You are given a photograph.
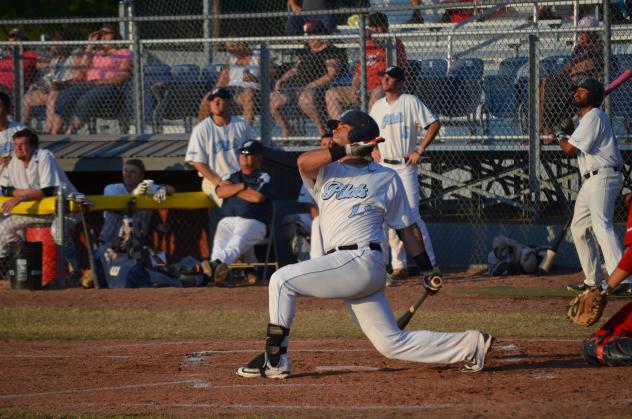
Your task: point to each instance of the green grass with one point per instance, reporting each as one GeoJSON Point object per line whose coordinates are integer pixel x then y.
{"type": "Point", "coordinates": [26, 323]}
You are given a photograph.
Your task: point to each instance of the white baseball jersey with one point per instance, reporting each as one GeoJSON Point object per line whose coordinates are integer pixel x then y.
{"type": "Point", "coordinates": [596, 141]}
{"type": "Point", "coordinates": [357, 201]}
{"type": "Point", "coordinates": [43, 171]}
{"type": "Point", "coordinates": [400, 124]}
{"type": "Point", "coordinates": [6, 139]}
{"type": "Point", "coordinates": [218, 146]}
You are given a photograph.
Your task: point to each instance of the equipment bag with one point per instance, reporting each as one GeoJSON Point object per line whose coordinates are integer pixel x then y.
{"type": "Point", "coordinates": [125, 272]}
{"type": "Point", "coordinates": [612, 344]}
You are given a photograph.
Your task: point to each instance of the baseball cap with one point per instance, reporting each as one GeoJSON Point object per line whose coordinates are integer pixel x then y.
{"type": "Point", "coordinates": [251, 147]}
{"type": "Point", "coordinates": [364, 127]}
{"type": "Point", "coordinates": [377, 19]}
{"type": "Point", "coordinates": [590, 84]}
{"type": "Point", "coordinates": [588, 22]}
{"type": "Point", "coordinates": [315, 27]}
{"type": "Point", "coordinates": [395, 72]}
{"type": "Point", "coordinates": [220, 92]}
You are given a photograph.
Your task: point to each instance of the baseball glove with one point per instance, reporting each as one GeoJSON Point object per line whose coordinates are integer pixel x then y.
{"type": "Point", "coordinates": [587, 307]}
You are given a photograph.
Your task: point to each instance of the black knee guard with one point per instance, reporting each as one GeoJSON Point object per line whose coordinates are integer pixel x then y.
{"type": "Point", "coordinates": [276, 342]}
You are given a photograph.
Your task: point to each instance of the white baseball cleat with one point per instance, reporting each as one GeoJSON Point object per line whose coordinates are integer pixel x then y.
{"type": "Point", "coordinates": [261, 367]}
{"type": "Point", "coordinates": [476, 364]}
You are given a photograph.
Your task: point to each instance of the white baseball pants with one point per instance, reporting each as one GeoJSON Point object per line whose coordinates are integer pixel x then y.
{"type": "Point", "coordinates": [359, 277]}
{"type": "Point", "coordinates": [593, 224]}
{"type": "Point", "coordinates": [236, 236]}
{"type": "Point", "coordinates": [408, 175]}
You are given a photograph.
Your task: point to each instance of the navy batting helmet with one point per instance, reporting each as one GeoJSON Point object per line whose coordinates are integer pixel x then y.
{"type": "Point", "coordinates": [364, 127]}
{"type": "Point", "coordinates": [595, 87]}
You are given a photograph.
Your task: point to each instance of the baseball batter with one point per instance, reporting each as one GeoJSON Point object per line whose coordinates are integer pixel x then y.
{"type": "Point", "coordinates": [401, 117]}
{"type": "Point", "coordinates": [355, 199]}
{"type": "Point", "coordinates": [600, 166]}
{"type": "Point", "coordinates": [214, 143]}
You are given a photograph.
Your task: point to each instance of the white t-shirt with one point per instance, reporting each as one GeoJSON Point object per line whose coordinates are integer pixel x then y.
{"type": "Point", "coordinates": [355, 202]}
{"type": "Point", "coordinates": [236, 72]}
{"type": "Point", "coordinates": [43, 171]}
{"type": "Point", "coordinates": [217, 146]}
{"type": "Point", "coordinates": [6, 139]}
{"type": "Point", "coordinates": [401, 123]}
{"type": "Point", "coordinates": [596, 141]}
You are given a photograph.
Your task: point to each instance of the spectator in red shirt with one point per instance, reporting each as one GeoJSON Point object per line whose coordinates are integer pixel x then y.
{"type": "Point", "coordinates": [341, 98]}
{"type": "Point", "coordinates": [29, 63]}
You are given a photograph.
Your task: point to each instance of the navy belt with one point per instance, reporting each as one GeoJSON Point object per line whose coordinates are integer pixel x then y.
{"type": "Point", "coordinates": [590, 174]}
{"type": "Point", "coordinates": [398, 161]}
{"type": "Point", "coordinates": [372, 246]}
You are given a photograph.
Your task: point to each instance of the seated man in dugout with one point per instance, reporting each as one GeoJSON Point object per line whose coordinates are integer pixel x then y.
{"type": "Point", "coordinates": [247, 211]}
{"type": "Point", "coordinates": [341, 98]}
{"type": "Point", "coordinates": [32, 175]}
{"type": "Point", "coordinates": [134, 183]}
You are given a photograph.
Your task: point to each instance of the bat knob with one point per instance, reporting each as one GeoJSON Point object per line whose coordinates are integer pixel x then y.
{"type": "Point", "coordinates": [434, 281]}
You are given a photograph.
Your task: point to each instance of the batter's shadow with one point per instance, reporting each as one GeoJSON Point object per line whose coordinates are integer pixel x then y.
{"type": "Point", "coordinates": [338, 373]}
{"type": "Point", "coordinates": [572, 362]}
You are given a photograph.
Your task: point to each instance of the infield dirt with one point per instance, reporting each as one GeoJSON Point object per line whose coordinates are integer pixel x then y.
{"type": "Point", "coordinates": [332, 377]}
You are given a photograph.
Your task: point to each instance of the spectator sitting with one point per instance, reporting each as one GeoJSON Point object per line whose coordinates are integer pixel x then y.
{"type": "Point", "coordinates": [247, 212]}
{"type": "Point", "coordinates": [29, 63]}
{"type": "Point", "coordinates": [62, 72]}
{"type": "Point", "coordinates": [319, 65]}
{"type": "Point", "coordinates": [32, 175]}
{"type": "Point", "coordinates": [302, 230]}
{"type": "Point", "coordinates": [133, 184]}
{"type": "Point", "coordinates": [458, 15]}
{"type": "Point", "coordinates": [587, 60]}
{"type": "Point", "coordinates": [240, 76]}
{"type": "Point", "coordinates": [294, 25]}
{"type": "Point", "coordinates": [341, 98]}
{"type": "Point", "coordinates": [7, 129]}
{"type": "Point", "coordinates": [400, 17]}
{"type": "Point", "coordinates": [108, 68]}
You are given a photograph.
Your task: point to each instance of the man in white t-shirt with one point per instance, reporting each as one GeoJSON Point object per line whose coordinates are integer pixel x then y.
{"type": "Point", "coordinates": [7, 129]}
{"type": "Point", "coordinates": [133, 184]}
{"type": "Point", "coordinates": [215, 141]}
{"type": "Point", "coordinates": [356, 198]}
{"type": "Point", "coordinates": [600, 166]}
{"type": "Point", "coordinates": [32, 175]}
{"type": "Point", "coordinates": [401, 118]}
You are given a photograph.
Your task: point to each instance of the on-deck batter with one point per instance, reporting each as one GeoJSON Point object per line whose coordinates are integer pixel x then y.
{"type": "Point", "coordinates": [600, 166]}
{"type": "Point", "coordinates": [355, 199]}
{"type": "Point", "coordinates": [401, 117]}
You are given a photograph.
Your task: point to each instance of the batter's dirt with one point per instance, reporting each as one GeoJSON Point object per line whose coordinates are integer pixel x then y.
{"type": "Point", "coordinates": [339, 377]}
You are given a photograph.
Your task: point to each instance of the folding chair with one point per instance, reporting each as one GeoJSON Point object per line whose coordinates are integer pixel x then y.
{"type": "Point", "coordinates": [269, 242]}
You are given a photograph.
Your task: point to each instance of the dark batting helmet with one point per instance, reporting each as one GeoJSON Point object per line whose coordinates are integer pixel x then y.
{"type": "Point", "coordinates": [364, 127]}
{"type": "Point", "coordinates": [595, 87]}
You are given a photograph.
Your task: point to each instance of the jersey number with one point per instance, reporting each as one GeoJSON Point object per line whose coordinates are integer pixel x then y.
{"type": "Point", "coordinates": [355, 210]}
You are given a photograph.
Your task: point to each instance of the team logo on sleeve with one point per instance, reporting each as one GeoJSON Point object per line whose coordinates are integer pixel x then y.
{"type": "Point", "coordinates": [344, 191]}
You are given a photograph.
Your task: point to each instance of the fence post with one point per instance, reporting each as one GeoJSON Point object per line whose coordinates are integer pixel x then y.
{"type": "Point", "coordinates": [18, 81]}
{"type": "Point", "coordinates": [124, 12]}
{"type": "Point", "coordinates": [266, 126]}
{"type": "Point", "coordinates": [364, 102]}
{"type": "Point", "coordinates": [206, 30]}
{"type": "Point", "coordinates": [534, 122]}
{"type": "Point", "coordinates": [391, 59]}
{"type": "Point", "coordinates": [607, 50]}
{"type": "Point", "coordinates": [61, 239]}
{"type": "Point", "coordinates": [137, 76]}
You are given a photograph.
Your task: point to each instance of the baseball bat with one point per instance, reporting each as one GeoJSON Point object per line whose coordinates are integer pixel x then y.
{"type": "Point", "coordinates": [551, 252]}
{"type": "Point", "coordinates": [92, 247]}
{"type": "Point", "coordinates": [433, 284]}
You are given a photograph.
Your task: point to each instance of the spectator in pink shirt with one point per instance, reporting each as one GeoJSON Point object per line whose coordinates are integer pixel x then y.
{"type": "Point", "coordinates": [108, 68]}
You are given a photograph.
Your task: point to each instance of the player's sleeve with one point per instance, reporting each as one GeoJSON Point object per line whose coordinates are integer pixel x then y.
{"type": "Point", "coordinates": [314, 186]}
{"type": "Point", "coordinates": [264, 184]}
{"type": "Point", "coordinates": [398, 213]}
{"type": "Point", "coordinates": [197, 150]}
{"type": "Point", "coordinates": [48, 170]}
{"type": "Point", "coordinates": [110, 189]}
{"type": "Point", "coordinates": [232, 177]}
{"type": "Point", "coordinates": [586, 132]}
{"type": "Point", "coordinates": [249, 134]}
{"type": "Point", "coordinates": [423, 116]}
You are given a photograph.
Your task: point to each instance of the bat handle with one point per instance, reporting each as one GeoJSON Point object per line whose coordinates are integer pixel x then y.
{"type": "Point", "coordinates": [433, 282]}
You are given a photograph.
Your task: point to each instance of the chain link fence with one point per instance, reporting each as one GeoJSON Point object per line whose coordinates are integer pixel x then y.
{"type": "Point", "coordinates": [498, 77]}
